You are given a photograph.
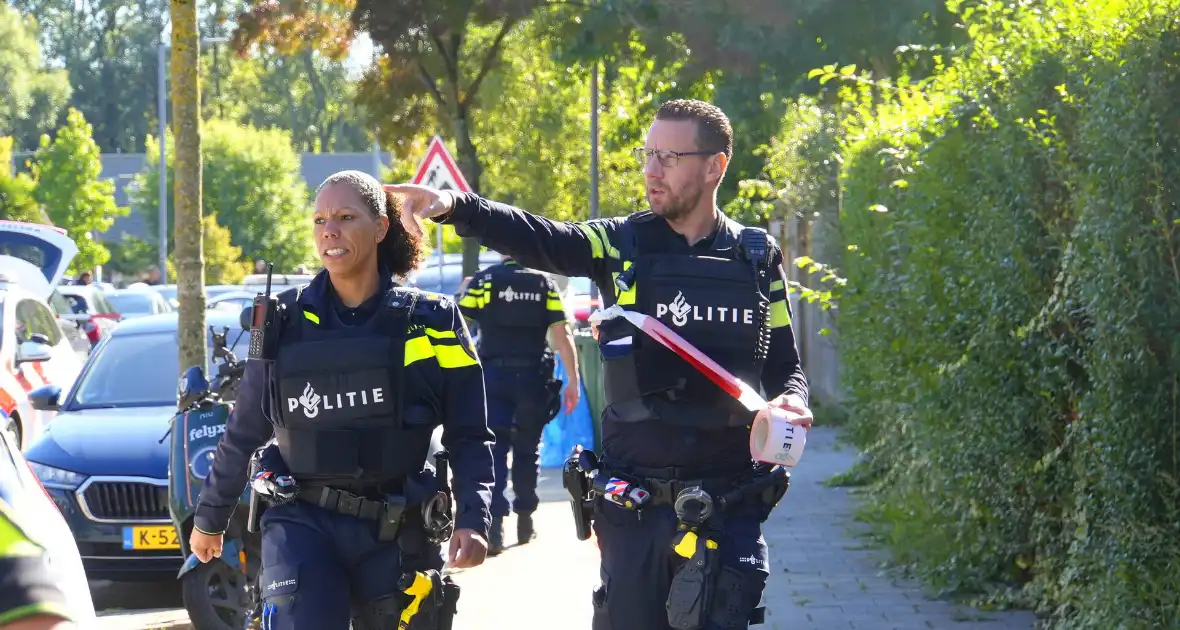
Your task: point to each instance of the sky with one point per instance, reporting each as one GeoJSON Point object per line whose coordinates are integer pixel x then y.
{"type": "Point", "coordinates": [360, 57]}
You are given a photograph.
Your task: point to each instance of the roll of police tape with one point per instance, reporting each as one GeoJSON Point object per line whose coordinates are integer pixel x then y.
{"type": "Point", "coordinates": [774, 439]}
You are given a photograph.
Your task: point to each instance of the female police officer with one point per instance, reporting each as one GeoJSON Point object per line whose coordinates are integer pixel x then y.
{"type": "Point", "coordinates": [362, 373]}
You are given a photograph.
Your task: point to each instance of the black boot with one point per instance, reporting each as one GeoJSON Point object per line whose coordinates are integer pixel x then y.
{"type": "Point", "coordinates": [524, 528]}
{"type": "Point", "coordinates": [496, 536]}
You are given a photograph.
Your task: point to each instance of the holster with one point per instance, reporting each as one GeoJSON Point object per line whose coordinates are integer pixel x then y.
{"type": "Point", "coordinates": [767, 485]}
{"type": "Point", "coordinates": [578, 486]}
{"type": "Point", "coordinates": [254, 515]}
{"type": "Point", "coordinates": [434, 610]}
{"type": "Point", "coordinates": [692, 587]}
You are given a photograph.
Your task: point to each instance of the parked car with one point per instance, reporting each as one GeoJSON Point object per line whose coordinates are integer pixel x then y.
{"type": "Point", "coordinates": [34, 350]}
{"type": "Point", "coordinates": [235, 301]}
{"type": "Point", "coordinates": [578, 302]}
{"type": "Point", "coordinates": [92, 311]}
{"type": "Point", "coordinates": [257, 281]}
{"type": "Point", "coordinates": [449, 279]}
{"type": "Point", "coordinates": [169, 291]}
{"type": "Point", "coordinates": [104, 458]}
{"type": "Point", "coordinates": [72, 329]}
{"type": "Point", "coordinates": [26, 505]}
{"type": "Point", "coordinates": [130, 303]}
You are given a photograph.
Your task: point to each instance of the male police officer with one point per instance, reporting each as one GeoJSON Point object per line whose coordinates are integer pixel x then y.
{"type": "Point", "coordinates": [665, 427]}
{"type": "Point", "coordinates": [515, 308]}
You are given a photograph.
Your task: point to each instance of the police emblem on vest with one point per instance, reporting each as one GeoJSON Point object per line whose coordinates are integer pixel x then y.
{"type": "Point", "coordinates": [715, 301]}
{"type": "Point", "coordinates": [338, 393]}
{"type": "Point", "coordinates": [516, 322]}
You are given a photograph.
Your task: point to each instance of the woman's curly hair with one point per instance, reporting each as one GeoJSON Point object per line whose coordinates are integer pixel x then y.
{"type": "Point", "coordinates": [400, 252]}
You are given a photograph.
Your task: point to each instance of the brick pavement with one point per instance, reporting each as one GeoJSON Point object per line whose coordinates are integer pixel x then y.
{"type": "Point", "coordinates": [824, 578]}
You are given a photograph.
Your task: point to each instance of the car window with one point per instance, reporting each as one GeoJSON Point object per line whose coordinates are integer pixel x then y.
{"type": "Point", "coordinates": [33, 317]}
{"type": "Point", "coordinates": [138, 370]}
{"type": "Point", "coordinates": [78, 304]}
{"type": "Point", "coordinates": [59, 304]}
{"type": "Point", "coordinates": [133, 303]}
{"type": "Point", "coordinates": [427, 279]}
{"type": "Point", "coordinates": [103, 304]}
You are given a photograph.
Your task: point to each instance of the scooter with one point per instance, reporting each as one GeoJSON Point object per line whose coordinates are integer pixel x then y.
{"type": "Point", "coordinates": [218, 594]}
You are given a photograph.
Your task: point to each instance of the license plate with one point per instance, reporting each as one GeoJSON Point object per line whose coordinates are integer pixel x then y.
{"type": "Point", "coordinates": [154, 537]}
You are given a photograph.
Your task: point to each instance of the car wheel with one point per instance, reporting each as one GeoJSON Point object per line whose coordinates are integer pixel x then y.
{"type": "Point", "coordinates": [11, 426]}
{"type": "Point", "coordinates": [215, 596]}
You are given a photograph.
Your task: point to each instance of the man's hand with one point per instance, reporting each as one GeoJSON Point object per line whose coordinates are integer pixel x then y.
{"type": "Point", "coordinates": [570, 396]}
{"type": "Point", "coordinates": [206, 546]}
{"type": "Point", "coordinates": [421, 202]}
{"type": "Point", "coordinates": [794, 403]}
{"type": "Point", "coordinates": [468, 549]}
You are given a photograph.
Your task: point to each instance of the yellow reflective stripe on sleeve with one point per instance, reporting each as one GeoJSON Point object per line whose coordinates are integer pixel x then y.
{"type": "Point", "coordinates": [779, 316]}
{"type": "Point", "coordinates": [13, 542]}
{"type": "Point", "coordinates": [312, 317]}
{"type": "Point", "coordinates": [418, 348]}
{"type": "Point", "coordinates": [777, 285]}
{"type": "Point", "coordinates": [554, 304]}
{"type": "Point", "coordinates": [610, 250]}
{"type": "Point", "coordinates": [453, 357]}
{"type": "Point", "coordinates": [471, 300]}
{"type": "Point", "coordinates": [448, 352]}
{"type": "Point", "coordinates": [623, 298]}
{"type": "Point", "coordinates": [595, 241]}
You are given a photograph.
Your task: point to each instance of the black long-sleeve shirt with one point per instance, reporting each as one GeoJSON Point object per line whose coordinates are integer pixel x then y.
{"type": "Point", "coordinates": [586, 249]}
{"type": "Point", "coordinates": [450, 380]}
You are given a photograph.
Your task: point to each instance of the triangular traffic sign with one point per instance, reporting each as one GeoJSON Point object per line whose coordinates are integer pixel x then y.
{"type": "Point", "coordinates": [438, 169]}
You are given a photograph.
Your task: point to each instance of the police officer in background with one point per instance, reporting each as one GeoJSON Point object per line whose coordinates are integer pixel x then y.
{"type": "Point", "coordinates": [665, 427]}
{"type": "Point", "coordinates": [515, 308]}
{"type": "Point", "coordinates": [362, 372]}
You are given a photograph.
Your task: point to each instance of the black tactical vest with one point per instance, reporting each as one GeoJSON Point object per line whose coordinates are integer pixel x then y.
{"type": "Point", "coordinates": [716, 303]}
{"type": "Point", "coordinates": [338, 394]}
{"type": "Point", "coordinates": [517, 315]}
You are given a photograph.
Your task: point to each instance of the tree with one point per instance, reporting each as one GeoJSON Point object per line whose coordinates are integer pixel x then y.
{"type": "Point", "coordinates": [33, 95]}
{"type": "Point", "coordinates": [251, 180]}
{"type": "Point", "coordinates": [308, 94]}
{"type": "Point", "coordinates": [67, 172]}
{"type": "Point", "coordinates": [186, 120]}
{"type": "Point", "coordinates": [107, 47]}
{"type": "Point", "coordinates": [434, 59]}
{"type": "Point", "coordinates": [751, 54]}
{"type": "Point", "coordinates": [224, 263]}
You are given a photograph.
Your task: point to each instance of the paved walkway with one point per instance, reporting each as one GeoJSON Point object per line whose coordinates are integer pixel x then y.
{"type": "Point", "coordinates": [822, 578]}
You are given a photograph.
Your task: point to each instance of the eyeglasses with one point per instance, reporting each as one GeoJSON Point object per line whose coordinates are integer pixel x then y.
{"type": "Point", "coordinates": [668, 159]}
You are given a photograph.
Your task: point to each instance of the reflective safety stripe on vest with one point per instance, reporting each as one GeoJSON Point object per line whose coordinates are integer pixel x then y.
{"type": "Point", "coordinates": [442, 345]}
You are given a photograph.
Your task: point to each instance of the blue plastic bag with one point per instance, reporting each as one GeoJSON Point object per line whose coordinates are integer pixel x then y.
{"type": "Point", "coordinates": [566, 430]}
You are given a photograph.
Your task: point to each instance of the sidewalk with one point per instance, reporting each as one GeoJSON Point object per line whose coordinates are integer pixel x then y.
{"type": "Point", "coordinates": [822, 578]}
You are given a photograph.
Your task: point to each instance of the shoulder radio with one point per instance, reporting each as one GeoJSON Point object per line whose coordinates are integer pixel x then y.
{"type": "Point", "coordinates": [263, 315]}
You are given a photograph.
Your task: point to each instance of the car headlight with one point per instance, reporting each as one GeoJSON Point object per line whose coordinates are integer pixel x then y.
{"type": "Point", "coordinates": [51, 477]}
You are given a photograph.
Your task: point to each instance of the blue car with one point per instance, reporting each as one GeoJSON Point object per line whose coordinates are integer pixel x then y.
{"type": "Point", "coordinates": [104, 457]}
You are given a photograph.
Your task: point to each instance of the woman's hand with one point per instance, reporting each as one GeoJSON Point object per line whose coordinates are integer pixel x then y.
{"type": "Point", "coordinates": [468, 549]}
{"type": "Point", "coordinates": [206, 546]}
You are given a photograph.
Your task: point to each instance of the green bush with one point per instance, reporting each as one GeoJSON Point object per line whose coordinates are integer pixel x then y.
{"type": "Point", "coordinates": [1009, 330]}
{"type": "Point", "coordinates": [251, 181]}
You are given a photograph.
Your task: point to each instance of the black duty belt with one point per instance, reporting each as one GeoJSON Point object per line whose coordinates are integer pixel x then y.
{"type": "Point", "coordinates": [665, 484]}
{"type": "Point", "coordinates": [343, 502]}
{"type": "Point", "coordinates": [514, 363]}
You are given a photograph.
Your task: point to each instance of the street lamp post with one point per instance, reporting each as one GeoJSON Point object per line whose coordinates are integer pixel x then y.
{"type": "Point", "coordinates": [161, 104]}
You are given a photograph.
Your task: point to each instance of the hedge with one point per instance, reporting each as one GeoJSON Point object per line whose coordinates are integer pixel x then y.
{"type": "Point", "coordinates": [1009, 327]}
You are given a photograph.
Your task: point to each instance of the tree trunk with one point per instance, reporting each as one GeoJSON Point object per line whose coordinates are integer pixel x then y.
{"type": "Point", "coordinates": [186, 120]}
{"type": "Point", "coordinates": [469, 165]}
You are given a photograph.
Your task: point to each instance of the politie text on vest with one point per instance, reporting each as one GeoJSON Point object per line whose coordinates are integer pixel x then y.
{"type": "Point", "coordinates": [509, 294]}
{"type": "Point", "coordinates": [681, 310]}
{"type": "Point", "coordinates": [311, 401]}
